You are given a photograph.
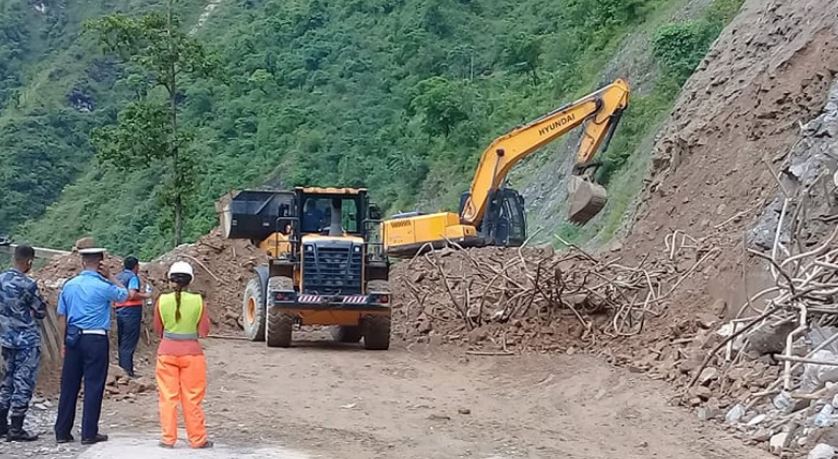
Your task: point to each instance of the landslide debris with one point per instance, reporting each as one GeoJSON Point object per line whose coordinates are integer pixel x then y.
{"type": "Point", "coordinates": [737, 118]}
{"type": "Point", "coordinates": [744, 177]}
{"type": "Point", "coordinates": [537, 299]}
{"type": "Point", "coordinates": [222, 268]}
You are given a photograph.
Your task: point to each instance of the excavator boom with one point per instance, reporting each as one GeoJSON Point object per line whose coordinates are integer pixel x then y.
{"type": "Point", "coordinates": [491, 214]}
{"type": "Point", "coordinates": [602, 107]}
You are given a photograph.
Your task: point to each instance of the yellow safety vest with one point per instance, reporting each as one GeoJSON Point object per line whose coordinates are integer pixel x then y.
{"type": "Point", "coordinates": [191, 307]}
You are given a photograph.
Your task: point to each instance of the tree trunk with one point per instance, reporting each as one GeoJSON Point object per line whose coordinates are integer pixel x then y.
{"type": "Point", "coordinates": [178, 218]}
{"type": "Point", "coordinates": [178, 173]}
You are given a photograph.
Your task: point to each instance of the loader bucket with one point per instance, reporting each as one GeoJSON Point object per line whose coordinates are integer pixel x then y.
{"type": "Point", "coordinates": [252, 214]}
{"type": "Point", "coordinates": [586, 199]}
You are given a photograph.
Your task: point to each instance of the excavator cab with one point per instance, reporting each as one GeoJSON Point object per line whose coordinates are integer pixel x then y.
{"type": "Point", "coordinates": [505, 224]}
{"type": "Point", "coordinates": [491, 214]}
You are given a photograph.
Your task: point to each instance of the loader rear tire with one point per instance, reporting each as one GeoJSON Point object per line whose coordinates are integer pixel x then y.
{"type": "Point", "coordinates": [347, 334]}
{"type": "Point", "coordinates": [279, 325]}
{"type": "Point", "coordinates": [377, 332]}
{"type": "Point", "coordinates": [253, 310]}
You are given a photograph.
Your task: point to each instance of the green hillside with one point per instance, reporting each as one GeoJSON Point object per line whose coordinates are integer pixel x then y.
{"type": "Point", "coordinates": [400, 96]}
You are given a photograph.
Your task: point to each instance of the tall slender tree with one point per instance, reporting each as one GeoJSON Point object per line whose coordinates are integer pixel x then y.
{"type": "Point", "coordinates": [158, 53]}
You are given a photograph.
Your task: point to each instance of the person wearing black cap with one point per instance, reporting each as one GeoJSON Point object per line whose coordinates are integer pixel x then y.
{"type": "Point", "coordinates": [85, 303]}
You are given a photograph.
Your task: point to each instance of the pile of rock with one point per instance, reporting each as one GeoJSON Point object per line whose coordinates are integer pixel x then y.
{"type": "Point", "coordinates": [120, 386]}
{"type": "Point", "coordinates": [222, 269]}
{"type": "Point", "coordinates": [778, 359]}
{"type": "Point", "coordinates": [536, 298]}
{"type": "Point", "coordinates": [791, 423]}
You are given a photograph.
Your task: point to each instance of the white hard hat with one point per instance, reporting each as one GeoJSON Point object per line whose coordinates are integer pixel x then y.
{"type": "Point", "coordinates": [181, 267]}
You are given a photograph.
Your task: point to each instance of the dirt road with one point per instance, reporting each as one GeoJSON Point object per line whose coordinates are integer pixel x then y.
{"type": "Point", "coordinates": [324, 400]}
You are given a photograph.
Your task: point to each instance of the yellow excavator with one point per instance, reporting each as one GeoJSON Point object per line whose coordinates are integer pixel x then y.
{"type": "Point", "coordinates": [492, 214]}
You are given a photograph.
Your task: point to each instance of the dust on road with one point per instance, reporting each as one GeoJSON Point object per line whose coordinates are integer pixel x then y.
{"type": "Point", "coordinates": [325, 400]}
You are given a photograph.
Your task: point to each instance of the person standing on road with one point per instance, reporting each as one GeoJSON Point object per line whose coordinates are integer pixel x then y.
{"type": "Point", "coordinates": [85, 302]}
{"type": "Point", "coordinates": [180, 319]}
{"type": "Point", "coordinates": [21, 309]}
{"type": "Point", "coordinates": [129, 314]}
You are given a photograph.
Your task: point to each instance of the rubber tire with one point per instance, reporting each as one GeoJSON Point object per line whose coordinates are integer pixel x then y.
{"type": "Point", "coordinates": [377, 332]}
{"type": "Point", "coordinates": [347, 334]}
{"type": "Point", "coordinates": [254, 331]}
{"type": "Point", "coordinates": [376, 329]}
{"type": "Point", "coordinates": [279, 324]}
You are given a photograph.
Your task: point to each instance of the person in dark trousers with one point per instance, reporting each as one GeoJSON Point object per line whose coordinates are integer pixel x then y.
{"type": "Point", "coordinates": [129, 315]}
{"type": "Point", "coordinates": [21, 309]}
{"type": "Point", "coordinates": [85, 303]}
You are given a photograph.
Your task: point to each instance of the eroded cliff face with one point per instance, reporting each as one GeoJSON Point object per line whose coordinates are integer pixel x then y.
{"type": "Point", "coordinates": [751, 108]}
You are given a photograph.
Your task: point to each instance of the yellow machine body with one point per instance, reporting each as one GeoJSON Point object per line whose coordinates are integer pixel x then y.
{"type": "Point", "coordinates": [324, 266]}
{"type": "Point", "coordinates": [489, 200]}
{"type": "Point", "coordinates": [409, 234]}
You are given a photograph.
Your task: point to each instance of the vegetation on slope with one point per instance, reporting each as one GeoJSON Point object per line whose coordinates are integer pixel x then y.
{"type": "Point", "coordinates": [400, 96]}
{"type": "Point", "coordinates": [678, 48]}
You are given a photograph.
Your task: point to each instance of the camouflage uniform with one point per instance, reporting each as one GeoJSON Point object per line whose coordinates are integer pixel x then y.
{"type": "Point", "coordinates": [21, 306]}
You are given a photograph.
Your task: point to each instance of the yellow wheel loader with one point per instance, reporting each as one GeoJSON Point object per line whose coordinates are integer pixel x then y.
{"type": "Point", "coordinates": [323, 266]}
{"type": "Point", "coordinates": [492, 214]}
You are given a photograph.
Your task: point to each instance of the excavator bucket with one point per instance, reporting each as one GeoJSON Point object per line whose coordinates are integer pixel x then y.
{"type": "Point", "coordinates": [586, 199]}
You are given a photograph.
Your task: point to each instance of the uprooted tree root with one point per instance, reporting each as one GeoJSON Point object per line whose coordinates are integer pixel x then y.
{"type": "Point", "coordinates": [805, 274]}
{"type": "Point", "coordinates": [524, 293]}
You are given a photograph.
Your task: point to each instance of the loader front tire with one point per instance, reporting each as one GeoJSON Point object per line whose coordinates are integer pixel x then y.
{"type": "Point", "coordinates": [253, 310]}
{"type": "Point", "coordinates": [279, 325]}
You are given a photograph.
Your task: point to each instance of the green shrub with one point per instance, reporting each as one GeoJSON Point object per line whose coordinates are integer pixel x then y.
{"type": "Point", "coordinates": [680, 47]}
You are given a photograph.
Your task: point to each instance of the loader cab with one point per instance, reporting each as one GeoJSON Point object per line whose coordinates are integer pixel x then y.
{"type": "Point", "coordinates": [332, 212]}
{"type": "Point", "coordinates": [318, 211]}
{"type": "Point", "coordinates": [504, 223]}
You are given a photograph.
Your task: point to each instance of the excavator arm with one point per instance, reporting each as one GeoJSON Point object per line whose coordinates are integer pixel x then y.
{"type": "Point", "coordinates": [492, 214]}
{"type": "Point", "coordinates": [601, 109]}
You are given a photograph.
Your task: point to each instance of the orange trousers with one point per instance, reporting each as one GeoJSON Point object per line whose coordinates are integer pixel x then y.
{"type": "Point", "coordinates": [182, 380]}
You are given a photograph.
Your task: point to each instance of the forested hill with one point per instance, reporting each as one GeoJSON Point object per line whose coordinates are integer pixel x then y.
{"type": "Point", "coordinates": [400, 96]}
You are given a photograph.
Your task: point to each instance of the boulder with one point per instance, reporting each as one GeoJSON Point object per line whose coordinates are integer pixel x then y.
{"type": "Point", "coordinates": [777, 443]}
{"type": "Point", "coordinates": [821, 451]}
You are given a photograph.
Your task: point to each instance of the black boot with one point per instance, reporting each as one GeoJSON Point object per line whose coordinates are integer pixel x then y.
{"type": "Point", "coordinates": [4, 423]}
{"type": "Point", "coordinates": [16, 432]}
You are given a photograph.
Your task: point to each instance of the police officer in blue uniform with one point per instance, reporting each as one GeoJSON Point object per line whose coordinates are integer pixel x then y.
{"type": "Point", "coordinates": [21, 309]}
{"type": "Point", "coordinates": [85, 302]}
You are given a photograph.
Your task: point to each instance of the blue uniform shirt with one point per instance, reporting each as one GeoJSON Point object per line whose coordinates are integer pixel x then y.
{"type": "Point", "coordinates": [86, 301]}
{"type": "Point", "coordinates": [20, 305]}
{"type": "Point", "coordinates": [129, 280]}
{"type": "Point", "coordinates": [134, 283]}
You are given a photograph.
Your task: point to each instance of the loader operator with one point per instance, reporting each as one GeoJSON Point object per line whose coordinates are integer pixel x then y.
{"type": "Point", "coordinates": [314, 219]}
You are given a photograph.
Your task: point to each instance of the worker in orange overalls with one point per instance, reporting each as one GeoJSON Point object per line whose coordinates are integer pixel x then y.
{"type": "Point", "coordinates": [180, 318]}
